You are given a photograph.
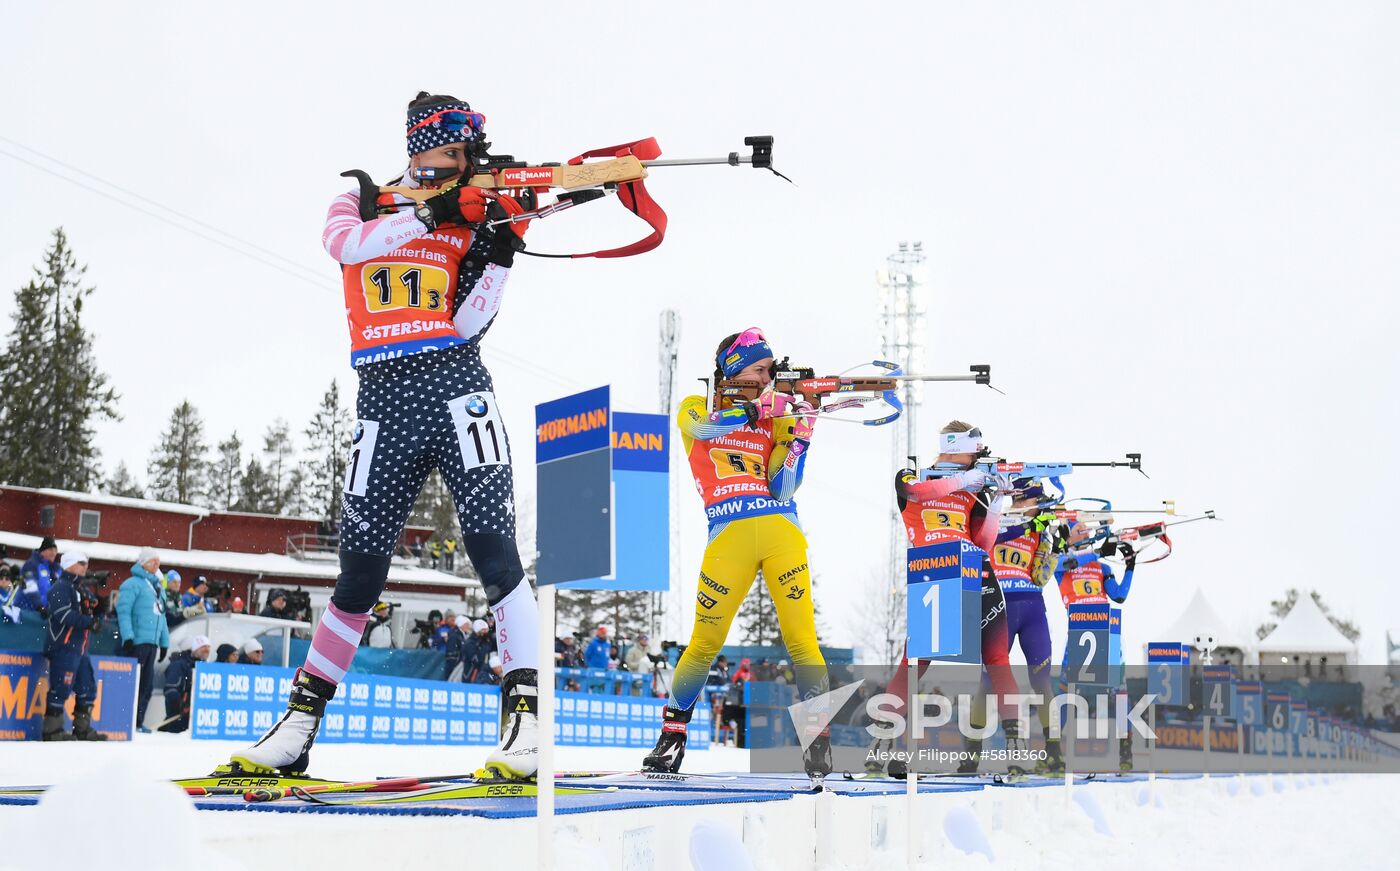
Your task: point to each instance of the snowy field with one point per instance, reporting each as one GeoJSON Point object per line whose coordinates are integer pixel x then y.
{"type": "Point", "coordinates": [110, 797]}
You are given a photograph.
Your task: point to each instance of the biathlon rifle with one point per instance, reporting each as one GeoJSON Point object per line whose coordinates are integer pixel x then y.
{"type": "Point", "coordinates": [621, 170]}
{"type": "Point", "coordinates": [996, 466]}
{"type": "Point", "coordinates": [1144, 535]}
{"type": "Point", "coordinates": [836, 392]}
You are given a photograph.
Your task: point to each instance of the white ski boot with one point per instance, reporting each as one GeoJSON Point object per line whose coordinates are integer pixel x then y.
{"type": "Point", "coordinates": [286, 747]}
{"type": "Point", "coordinates": [517, 756]}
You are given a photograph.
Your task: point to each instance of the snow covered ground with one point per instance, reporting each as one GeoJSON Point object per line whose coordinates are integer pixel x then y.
{"type": "Point", "coordinates": [109, 802]}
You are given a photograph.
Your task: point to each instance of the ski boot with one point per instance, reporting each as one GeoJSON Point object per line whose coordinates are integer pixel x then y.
{"type": "Point", "coordinates": [898, 769]}
{"type": "Point", "coordinates": [973, 748]}
{"type": "Point", "coordinates": [1054, 761]}
{"type": "Point", "coordinates": [517, 757]}
{"type": "Point", "coordinates": [816, 759]}
{"type": "Point", "coordinates": [53, 726]}
{"type": "Point", "coordinates": [286, 748]}
{"type": "Point", "coordinates": [874, 765]}
{"type": "Point", "coordinates": [1017, 752]}
{"type": "Point", "coordinates": [1125, 755]}
{"type": "Point", "coordinates": [669, 751]}
{"type": "Point", "coordinates": [82, 725]}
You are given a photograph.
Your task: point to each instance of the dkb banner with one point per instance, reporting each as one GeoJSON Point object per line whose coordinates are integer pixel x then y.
{"type": "Point", "coordinates": [24, 684]}
{"type": "Point", "coordinates": [242, 701]}
{"type": "Point", "coordinates": [598, 720]}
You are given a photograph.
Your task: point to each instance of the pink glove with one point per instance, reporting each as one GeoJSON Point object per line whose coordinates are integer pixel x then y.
{"type": "Point", "coordinates": [806, 421]}
{"type": "Point", "coordinates": [771, 405]}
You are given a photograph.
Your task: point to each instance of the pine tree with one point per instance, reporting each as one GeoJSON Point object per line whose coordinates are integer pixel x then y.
{"type": "Point", "coordinates": [328, 441]}
{"type": "Point", "coordinates": [225, 473]}
{"type": "Point", "coordinates": [256, 493]}
{"type": "Point", "coordinates": [53, 391]}
{"type": "Point", "coordinates": [279, 455]}
{"type": "Point", "coordinates": [178, 465]}
{"type": "Point", "coordinates": [123, 484]}
{"type": "Point", "coordinates": [758, 619]}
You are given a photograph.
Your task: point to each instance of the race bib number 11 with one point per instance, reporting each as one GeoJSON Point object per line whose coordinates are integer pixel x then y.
{"type": "Point", "coordinates": [480, 433]}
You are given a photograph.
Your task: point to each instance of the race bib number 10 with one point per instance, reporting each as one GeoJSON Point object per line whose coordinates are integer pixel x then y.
{"type": "Point", "coordinates": [480, 433]}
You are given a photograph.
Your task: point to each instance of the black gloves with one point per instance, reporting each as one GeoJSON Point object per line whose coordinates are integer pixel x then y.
{"type": "Point", "coordinates": [902, 477]}
{"type": "Point", "coordinates": [161, 657]}
{"type": "Point", "coordinates": [1129, 555]}
{"type": "Point", "coordinates": [128, 648]}
{"type": "Point", "coordinates": [1108, 548]}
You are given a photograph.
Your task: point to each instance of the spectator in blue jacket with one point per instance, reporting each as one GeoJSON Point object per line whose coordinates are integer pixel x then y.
{"type": "Point", "coordinates": [476, 652]}
{"type": "Point", "coordinates": [142, 626]}
{"type": "Point", "coordinates": [443, 634]}
{"type": "Point", "coordinates": [179, 678]}
{"type": "Point", "coordinates": [39, 573]}
{"type": "Point", "coordinates": [195, 595]}
{"type": "Point", "coordinates": [599, 650]}
{"type": "Point", "coordinates": [70, 669]}
{"type": "Point", "coordinates": [456, 640]}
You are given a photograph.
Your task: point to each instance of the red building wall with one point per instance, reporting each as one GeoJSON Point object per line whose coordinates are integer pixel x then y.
{"type": "Point", "coordinates": [249, 533]}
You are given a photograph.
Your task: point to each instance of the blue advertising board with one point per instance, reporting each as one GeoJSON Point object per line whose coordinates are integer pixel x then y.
{"type": "Point", "coordinates": [1249, 698]}
{"type": "Point", "coordinates": [641, 505]}
{"type": "Point", "coordinates": [24, 685]}
{"type": "Point", "coordinates": [239, 702]}
{"type": "Point", "coordinates": [1089, 652]}
{"type": "Point", "coordinates": [574, 500]}
{"type": "Point", "coordinates": [1166, 673]}
{"type": "Point", "coordinates": [944, 601]}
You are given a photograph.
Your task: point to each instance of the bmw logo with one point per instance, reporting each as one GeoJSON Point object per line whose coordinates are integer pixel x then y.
{"type": "Point", "coordinates": [476, 406]}
{"type": "Point", "coordinates": [359, 431]}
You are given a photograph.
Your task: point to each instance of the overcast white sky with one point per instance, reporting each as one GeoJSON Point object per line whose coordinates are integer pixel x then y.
{"type": "Point", "coordinates": [1170, 228]}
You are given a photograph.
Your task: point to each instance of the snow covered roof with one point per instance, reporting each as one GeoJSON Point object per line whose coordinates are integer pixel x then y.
{"type": "Point", "coordinates": [1200, 618]}
{"type": "Point", "coordinates": [276, 564]}
{"type": "Point", "coordinates": [1306, 630]}
{"type": "Point", "coordinates": [123, 501]}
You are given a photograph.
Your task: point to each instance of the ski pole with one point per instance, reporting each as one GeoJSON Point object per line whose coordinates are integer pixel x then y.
{"type": "Point", "coordinates": [392, 784]}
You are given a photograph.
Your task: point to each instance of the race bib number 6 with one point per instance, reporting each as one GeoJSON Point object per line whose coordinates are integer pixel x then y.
{"type": "Point", "coordinates": [480, 433]}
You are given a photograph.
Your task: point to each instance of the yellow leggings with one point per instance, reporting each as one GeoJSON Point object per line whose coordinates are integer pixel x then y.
{"type": "Point", "coordinates": [774, 544]}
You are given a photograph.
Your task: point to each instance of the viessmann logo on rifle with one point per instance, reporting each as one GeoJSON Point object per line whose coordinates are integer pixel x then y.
{"type": "Point", "coordinates": [527, 176]}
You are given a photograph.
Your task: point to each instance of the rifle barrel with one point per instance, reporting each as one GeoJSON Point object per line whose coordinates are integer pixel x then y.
{"type": "Point", "coordinates": [732, 160]}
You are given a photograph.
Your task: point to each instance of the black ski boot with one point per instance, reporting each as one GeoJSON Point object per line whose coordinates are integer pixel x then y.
{"type": "Point", "coordinates": [669, 751]}
{"type": "Point", "coordinates": [898, 769]}
{"type": "Point", "coordinates": [82, 725]}
{"type": "Point", "coordinates": [816, 759]}
{"type": "Point", "coordinates": [1017, 751]}
{"type": "Point", "coordinates": [972, 747]}
{"type": "Point", "coordinates": [286, 747]}
{"type": "Point", "coordinates": [1054, 761]}
{"type": "Point", "coordinates": [53, 726]}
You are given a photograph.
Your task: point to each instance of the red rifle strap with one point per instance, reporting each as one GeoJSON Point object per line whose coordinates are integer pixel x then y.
{"type": "Point", "coordinates": [1168, 542]}
{"type": "Point", "coordinates": [633, 195]}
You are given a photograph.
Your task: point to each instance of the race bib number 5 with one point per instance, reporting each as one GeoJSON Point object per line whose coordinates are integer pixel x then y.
{"type": "Point", "coordinates": [730, 463]}
{"type": "Point", "coordinates": [480, 433]}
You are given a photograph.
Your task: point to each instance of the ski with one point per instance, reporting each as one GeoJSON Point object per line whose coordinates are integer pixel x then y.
{"type": "Point", "coordinates": [445, 792]}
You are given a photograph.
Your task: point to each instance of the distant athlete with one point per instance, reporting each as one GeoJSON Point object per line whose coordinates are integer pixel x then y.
{"type": "Point", "coordinates": [747, 459]}
{"type": "Point", "coordinates": [962, 507]}
{"type": "Point", "coordinates": [1084, 578]}
{"type": "Point", "coordinates": [422, 287]}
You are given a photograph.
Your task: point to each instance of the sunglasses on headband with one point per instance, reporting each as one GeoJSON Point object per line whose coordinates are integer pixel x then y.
{"type": "Point", "coordinates": [453, 121]}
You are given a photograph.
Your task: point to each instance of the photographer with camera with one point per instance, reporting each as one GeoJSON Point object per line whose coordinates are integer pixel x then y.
{"type": "Point", "coordinates": [141, 623]}
{"type": "Point", "coordinates": [72, 618]}
{"type": "Point", "coordinates": [196, 598]}
{"type": "Point", "coordinates": [13, 602]}
{"type": "Point", "coordinates": [426, 630]}
{"type": "Point", "coordinates": [276, 606]}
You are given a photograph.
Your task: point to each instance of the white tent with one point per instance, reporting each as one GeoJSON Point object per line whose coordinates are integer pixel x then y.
{"type": "Point", "coordinates": [1306, 630]}
{"type": "Point", "coordinates": [1200, 620]}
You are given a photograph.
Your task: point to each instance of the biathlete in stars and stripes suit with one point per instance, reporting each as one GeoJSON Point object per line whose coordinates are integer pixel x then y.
{"type": "Point", "coordinates": [422, 287]}
{"type": "Point", "coordinates": [747, 459]}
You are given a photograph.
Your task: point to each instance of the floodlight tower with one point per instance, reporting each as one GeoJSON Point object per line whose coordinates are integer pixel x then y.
{"type": "Point", "coordinates": [902, 311]}
{"type": "Point", "coordinates": [669, 348]}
